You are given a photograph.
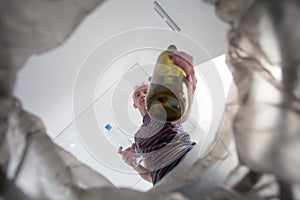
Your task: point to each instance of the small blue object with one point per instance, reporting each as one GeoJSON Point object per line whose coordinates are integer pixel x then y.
{"type": "Point", "coordinates": [108, 127]}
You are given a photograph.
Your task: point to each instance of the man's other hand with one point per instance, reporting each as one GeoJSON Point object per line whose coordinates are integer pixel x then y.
{"type": "Point", "coordinates": [128, 155]}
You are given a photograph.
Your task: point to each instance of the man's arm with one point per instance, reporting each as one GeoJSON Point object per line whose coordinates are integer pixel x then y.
{"type": "Point", "coordinates": [143, 172]}
{"type": "Point", "coordinates": [128, 155]}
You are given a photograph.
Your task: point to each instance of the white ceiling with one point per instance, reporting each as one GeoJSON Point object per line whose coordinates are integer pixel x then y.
{"type": "Point", "coordinates": [73, 87]}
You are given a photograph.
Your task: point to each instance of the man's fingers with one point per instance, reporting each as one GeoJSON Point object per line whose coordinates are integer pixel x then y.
{"type": "Point", "coordinates": [129, 157]}
{"type": "Point", "coordinates": [120, 150]}
{"type": "Point", "coordinates": [128, 149]}
{"type": "Point", "coordinates": [126, 156]}
{"type": "Point", "coordinates": [192, 82]}
{"type": "Point", "coordinates": [184, 61]}
{"type": "Point", "coordinates": [183, 55]}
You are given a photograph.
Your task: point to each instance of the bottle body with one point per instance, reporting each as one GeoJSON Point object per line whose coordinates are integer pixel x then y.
{"type": "Point", "coordinates": [167, 98]}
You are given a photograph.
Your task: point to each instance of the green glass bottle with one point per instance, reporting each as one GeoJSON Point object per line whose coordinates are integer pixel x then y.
{"type": "Point", "coordinates": [167, 98]}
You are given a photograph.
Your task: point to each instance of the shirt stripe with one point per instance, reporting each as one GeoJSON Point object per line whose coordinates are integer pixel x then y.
{"type": "Point", "coordinates": [163, 146]}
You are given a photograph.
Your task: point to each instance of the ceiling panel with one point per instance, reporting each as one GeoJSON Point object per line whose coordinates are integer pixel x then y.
{"type": "Point", "coordinates": [197, 20]}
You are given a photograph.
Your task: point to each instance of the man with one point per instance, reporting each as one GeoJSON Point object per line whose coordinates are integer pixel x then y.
{"type": "Point", "coordinates": [163, 145]}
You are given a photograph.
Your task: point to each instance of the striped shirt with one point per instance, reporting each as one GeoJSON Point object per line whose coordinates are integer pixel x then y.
{"type": "Point", "coordinates": [162, 145]}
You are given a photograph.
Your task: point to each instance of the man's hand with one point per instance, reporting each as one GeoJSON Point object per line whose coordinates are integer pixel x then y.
{"type": "Point", "coordinates": [185, 61]}
{"type": "Point", "coordinates": [128, 155]}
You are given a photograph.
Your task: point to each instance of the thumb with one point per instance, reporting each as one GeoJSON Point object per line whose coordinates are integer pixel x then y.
{"type": "Point", "coordinates": [120, 150]}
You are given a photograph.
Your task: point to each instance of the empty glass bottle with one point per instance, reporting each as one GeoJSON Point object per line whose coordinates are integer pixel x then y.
{"type": "Point", "coordinates": [167, 98]}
